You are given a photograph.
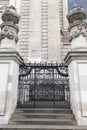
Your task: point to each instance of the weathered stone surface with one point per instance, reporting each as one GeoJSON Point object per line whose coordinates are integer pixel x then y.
{"type": "Point", "coordinates": [47, 18]}
{"type": "Point", "coordinates": [76, 60]}
{"type": "Point", "coordinates": [10, 15]}
{"type": "Point", "coordinates": [9, 29]}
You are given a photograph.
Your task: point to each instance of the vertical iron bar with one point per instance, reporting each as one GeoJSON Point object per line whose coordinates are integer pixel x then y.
{"type": "Point", "coordinates": [53, 83]}
{"type": "Point", "coordinates": [53, 90]}
{"type": "Point", "coordinates": [35, 87]}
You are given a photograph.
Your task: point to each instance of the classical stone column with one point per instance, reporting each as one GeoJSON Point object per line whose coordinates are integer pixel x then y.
{"type": "Point", "coordinates": [77, 62]}
{"type": "Point", "coordinates": [9, 64]}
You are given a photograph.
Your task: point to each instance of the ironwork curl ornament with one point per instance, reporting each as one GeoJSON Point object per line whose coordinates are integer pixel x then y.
{"type": "Point", "coordinates": [62, 69]}
{"type": "Point", "coordinates": [43, 85]}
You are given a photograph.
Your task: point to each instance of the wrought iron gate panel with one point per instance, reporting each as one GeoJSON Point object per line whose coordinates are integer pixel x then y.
{"type": "Point", "coordinates": [43, 85]}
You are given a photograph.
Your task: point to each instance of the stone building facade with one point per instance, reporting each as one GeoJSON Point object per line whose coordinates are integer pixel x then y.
{"type": "Point", "coordinates": [41, 24]}
{"type": "Point", "coordinates": [43, 40]}
{"type": "Point", "coordinates": [43, 35]}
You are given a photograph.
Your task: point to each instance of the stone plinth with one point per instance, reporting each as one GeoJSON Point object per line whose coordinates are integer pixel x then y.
{"type": "Point", "coordinates": [77, 64]}
{"type": "Point", "coordinates": [76, 60]}
{"type": "Point", "coordinates": [9, 72]}
{"type": "Point", "coordinates": [9, 64]}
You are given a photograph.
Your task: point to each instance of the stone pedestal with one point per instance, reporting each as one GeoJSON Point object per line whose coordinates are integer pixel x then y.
{"type": "Point", "coordinates": [76, 60]}
{"type": "Point", "coordinates": [9, 64]}
{"type": "Point", "coordinates": [9, 72]}
{"type": "Point", "coordinates": [77, 63]}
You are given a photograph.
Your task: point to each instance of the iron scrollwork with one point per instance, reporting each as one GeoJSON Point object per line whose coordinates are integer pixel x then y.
{"type": "Point", "coordinates": [63, 70]}
{"type": "Point", "coordinates": [43, 85]}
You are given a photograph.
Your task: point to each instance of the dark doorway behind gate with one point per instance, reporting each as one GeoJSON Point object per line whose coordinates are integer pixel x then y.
{"type": "Point", "coordinates": [43, 85]}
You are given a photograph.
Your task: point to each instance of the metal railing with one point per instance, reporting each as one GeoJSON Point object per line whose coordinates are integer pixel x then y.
{"type": "Point", "coordinates": [43, 85]}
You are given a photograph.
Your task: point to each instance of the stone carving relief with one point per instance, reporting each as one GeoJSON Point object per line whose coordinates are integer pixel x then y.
{"type": "Point", "coordinates": [10, 15]}
{"type": "Point", "coordinates": [77, 26]}
{"type": "Point", "coordinates": [9, 32]}
{"type": "Point", "coordinates": [78, 30]}
{"type": "Point", "coordinates": [65, 34]}
{"type": "Point", "coordinates": [9, 28]}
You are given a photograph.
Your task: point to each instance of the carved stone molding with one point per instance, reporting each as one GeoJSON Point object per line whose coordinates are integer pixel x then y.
{"type": "Point", "coordinates": [9, 24]}
{"type": "Point", "coordinates": [77, 13]}
{"type": "Point", "coordinates": [9, 28]}
{"type": "Point", "coordinates": [77, 30]}
{"type": "Point", "coordinates": [65, 34]}
{"type": "Point", "coordinates": [77, 26]}
{"type": "Point", "coordinates": [10, 15]}
{"type": "Point", "coordinates": [9, 31]}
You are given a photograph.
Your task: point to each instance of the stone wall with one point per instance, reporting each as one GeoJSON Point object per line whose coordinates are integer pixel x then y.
{"type": "Point", "coordinates": [40, 30]}
{"type": "Point", "coordinates": [24, 28]}
{"type": "Point", "coordinates": [44, 30]}
{"type": "Point", "coordinates": [34, 53]}
{"type": "Point", "coordinates": [54, 52]}
{"type": "Point", "coordinates": [4, 2]}
{"type": "Point", "coordinates": [65, 45]}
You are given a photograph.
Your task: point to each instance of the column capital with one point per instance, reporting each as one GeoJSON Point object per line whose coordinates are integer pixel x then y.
{"type": "Point", "coordinates": [11, 55]}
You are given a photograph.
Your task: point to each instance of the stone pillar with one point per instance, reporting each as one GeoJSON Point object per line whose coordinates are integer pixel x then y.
{"type": "Point", "coordinates": [9, 64]}
{"type": "Point", "coordinates": [77, 62]}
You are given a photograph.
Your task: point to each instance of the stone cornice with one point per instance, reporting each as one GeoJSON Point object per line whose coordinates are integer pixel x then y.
{"type": "Point", "coordinates": [75, 55]}
{"type": "Point", "coordinates": [11, 55]}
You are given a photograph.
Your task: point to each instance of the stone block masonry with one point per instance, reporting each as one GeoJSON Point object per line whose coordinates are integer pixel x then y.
{"type": "Point", "coordinates": [4, 2]}
{"type": "Point", "coordinates": [24, 29]}
{"type": "Point", "coordinates": [40, 38]}
{"type": "Point", "coordinates": [44, 30]}
{"type": "Point", "coordinates": [76, 60]}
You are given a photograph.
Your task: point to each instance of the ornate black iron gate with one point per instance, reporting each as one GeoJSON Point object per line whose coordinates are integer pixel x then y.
{"type": "Point", "coordinates": [43, 85]}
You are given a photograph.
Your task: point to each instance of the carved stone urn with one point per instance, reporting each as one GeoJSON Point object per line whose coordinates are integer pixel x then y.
{"type": "Point", "coordinates": [77, 28]}
{"type": "Point", "coordinates": [9, 28]}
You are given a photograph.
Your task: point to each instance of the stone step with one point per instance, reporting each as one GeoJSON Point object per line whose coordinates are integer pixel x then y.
{"type": "Point", "coordinates": [40, 121]}
{"type": "Point", "coordinates": [43, 115]}
{"type": "Point", "coordinates": [43, 118]}
{"type": "Point", "coordinates": [42, 127]}
{"type": "Point", "coordinates": [41, 110]}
